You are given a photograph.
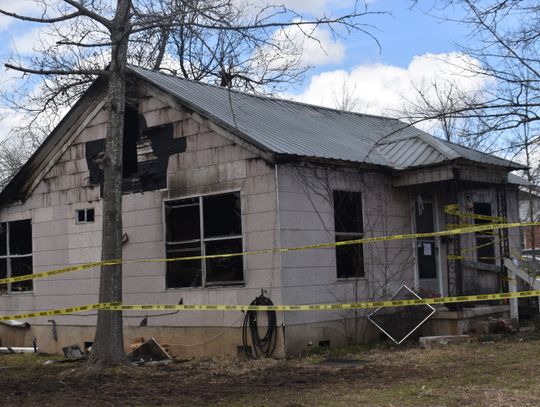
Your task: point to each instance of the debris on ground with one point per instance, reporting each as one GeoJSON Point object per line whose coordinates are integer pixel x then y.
{"type": "Point", "coordinates": [149, 351]}
{"type": "Point", "coordinates": [428, 342]}
{"type": "Point", "coordinates": [73, 352]}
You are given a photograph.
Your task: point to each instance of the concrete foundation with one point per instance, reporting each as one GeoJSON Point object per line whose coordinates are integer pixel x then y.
{"type": "Point", "coordinates": [181, 342]}
{"type": "Point", "coordinates": [300, 338]}
{"type": "Point", "coordinates": [185, 342]}
{"type": "Point", "coordinates": [462, 322]}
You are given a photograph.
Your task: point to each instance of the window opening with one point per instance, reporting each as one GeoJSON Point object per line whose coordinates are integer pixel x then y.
{"type": "Point", "coordinates": [131, 135]}
{"type": "Point", "coordinates": [85, 215]}
{"type": "Point", "coordinates": [206, 225]}
{"type": "Point", "coordinates": [349, 226]}
{"type": "Point", "coordinates": [485, 241]}
{"type": "Point", "coordinates": [16, 253]}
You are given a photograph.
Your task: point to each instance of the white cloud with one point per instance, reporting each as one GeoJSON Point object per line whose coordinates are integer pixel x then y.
{"type": "Point", "coordinates": [25, 43]}
{"type": "Point", "coordinates": [383, 89]}
{"type": "Point", "coordinates": [312, 7]}
{"type": "Point", "coordinates": [9, 120]}
{"type": "Point", "coordinates": [317, 46]}
{"type": "Point", "coordinates": [21, 7]}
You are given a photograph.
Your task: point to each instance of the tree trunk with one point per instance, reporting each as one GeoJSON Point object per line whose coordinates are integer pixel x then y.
{"type": "Point", "coordinates": [108, 347]}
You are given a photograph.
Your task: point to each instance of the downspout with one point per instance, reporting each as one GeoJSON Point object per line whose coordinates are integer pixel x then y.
{"type": "Point", "coordinates": [278, 242]}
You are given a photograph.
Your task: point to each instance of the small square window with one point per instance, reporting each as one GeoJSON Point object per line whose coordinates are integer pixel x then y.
{"type": "Point", "coordinates": [85, 215]}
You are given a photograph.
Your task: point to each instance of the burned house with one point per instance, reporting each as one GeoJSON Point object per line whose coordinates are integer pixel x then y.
{"type": "Point", "coordinates": [212, 171]}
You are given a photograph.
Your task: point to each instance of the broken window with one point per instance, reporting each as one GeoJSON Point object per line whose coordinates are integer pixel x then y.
{"type": "Point", "coordinates": [207, 225]}
{"type": "Point", "coordinates": [16, 253]}
{"type": "Point", "coordinates": [349, 226]}
{"type": "Point", "coordinates": [145, 155]}
{"type": "Point", "coordinates": [485, 242]}
{"type": "Point", "coordinates": [131, 135]}
{"type": "Point", "coordinates": [85, 215]}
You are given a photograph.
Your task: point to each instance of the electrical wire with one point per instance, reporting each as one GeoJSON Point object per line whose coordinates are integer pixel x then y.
{"type": "Point", "coordinates": [265, 346]}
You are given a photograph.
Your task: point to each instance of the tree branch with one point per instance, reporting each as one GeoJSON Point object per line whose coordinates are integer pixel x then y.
{"type": "Point", "coordinates": [57, 71]}
{"type": "Point", "coordinates": [41, 20]}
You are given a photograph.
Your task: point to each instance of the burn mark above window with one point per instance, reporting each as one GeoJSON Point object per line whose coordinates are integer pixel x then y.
{"type": "Point", "coordinates": [146, 154]}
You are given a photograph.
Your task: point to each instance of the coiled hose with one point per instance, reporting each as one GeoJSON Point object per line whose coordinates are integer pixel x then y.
{"type": "Point", "coordinates": [265, 346]}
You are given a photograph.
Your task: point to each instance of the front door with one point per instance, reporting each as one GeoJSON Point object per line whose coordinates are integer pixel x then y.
{"type": "Point", "coordinates": [426, 247]}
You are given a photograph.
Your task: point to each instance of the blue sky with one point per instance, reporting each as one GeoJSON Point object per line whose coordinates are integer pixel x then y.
{"type": "Point", "coordinates": [415, 48]}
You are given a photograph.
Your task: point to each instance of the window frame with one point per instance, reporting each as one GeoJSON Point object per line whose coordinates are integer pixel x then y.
{"type": "Point", "coordinates": [8, 257]}
{"type": "Point", "coordinates": [350, 236]}
{"type": "Point", "coordinates": [202, 240]}
{"type": "Point", "coordinates": [85, 211]}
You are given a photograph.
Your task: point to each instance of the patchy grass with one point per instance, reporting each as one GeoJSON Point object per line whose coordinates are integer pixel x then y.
{"type": "Point", "coordinates": [476, 374]}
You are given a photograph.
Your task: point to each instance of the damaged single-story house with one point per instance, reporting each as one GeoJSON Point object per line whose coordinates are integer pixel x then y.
{"type": "Point", "coordinates": [209, 171]}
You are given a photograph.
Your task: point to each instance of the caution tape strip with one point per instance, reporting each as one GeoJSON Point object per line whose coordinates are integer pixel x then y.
{"type": "Point", "coordinates": [313, 307]}
{"type": "Point", "coordinates": [472, 229]}
{"type": "Point", "coordinates": [453, 209]}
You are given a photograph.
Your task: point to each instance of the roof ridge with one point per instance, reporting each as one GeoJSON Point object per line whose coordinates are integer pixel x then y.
{"type": "Point", "coordinates": [274, 98]}
{"type": "Point", "coordinates": [440, 147]}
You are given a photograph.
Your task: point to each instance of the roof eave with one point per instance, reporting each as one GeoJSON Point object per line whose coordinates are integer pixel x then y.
{"type": "Point", "coordinates": [14, 190]}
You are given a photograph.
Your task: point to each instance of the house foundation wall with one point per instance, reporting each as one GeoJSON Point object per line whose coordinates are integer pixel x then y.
{"type": "Point", "coordinates": [186, 342]}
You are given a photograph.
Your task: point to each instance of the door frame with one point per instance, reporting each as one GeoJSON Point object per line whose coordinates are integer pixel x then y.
{"type": "Point", "coordinates": [437, 242]}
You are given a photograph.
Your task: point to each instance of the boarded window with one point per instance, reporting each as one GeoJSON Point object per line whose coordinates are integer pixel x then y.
{"type": "Point", "coordinates": [209, 225]}
{"type": "Point", "coordinates": [349, 226]}
{"type": "Point", "coordinates": [16, 253]}
{"type": "Point", "coordinates": [485, 242]}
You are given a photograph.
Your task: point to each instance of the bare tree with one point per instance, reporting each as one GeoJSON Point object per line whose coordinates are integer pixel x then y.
{"type": "Point", "coordinates": [89, 38]}
{"type": "Point", "coordinates": [14, 151]}
{"type": "Point", "coordinates": [503, 41]}
{"type": "Point", "coordinates": [437, 101]}
{"type": "Point", "coordinates": [346, 98]}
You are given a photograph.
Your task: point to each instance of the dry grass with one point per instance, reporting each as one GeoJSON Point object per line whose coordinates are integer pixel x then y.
{"type": "Point", "coordinates": [492, 374]}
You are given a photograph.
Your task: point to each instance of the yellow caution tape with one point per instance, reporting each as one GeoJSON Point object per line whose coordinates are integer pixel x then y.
{"type": "Point", "coordinates": [471, 229]}
{"type": "Point", "coordinates": [453, 209]}
{"type": "Point", "coordinates": [313, 307]}
{"type": "Point", "coordinates": [60, 311]}
{"type": "Point", "coordinates": [473, 248]}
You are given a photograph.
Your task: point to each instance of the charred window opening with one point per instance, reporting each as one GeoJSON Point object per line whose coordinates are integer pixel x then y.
{"type": "Point", "coordinates": [485, 242]}
{"type": "Point", "coordinates": [349, 226]}
{"type": "Point", "coordinates": [16, 253]}
{"type": "Point", "coordinates": [85, 215]}
{"type": "Point", "coordinates": [131, 135]}
{"type": "Point", "coordinates": [145, 157]}
{"type": "Point", "coordinates": [208, 225]}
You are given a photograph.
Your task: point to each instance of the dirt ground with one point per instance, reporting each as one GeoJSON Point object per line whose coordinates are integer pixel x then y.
{"type": "Point", "coordinates": [503, 373]}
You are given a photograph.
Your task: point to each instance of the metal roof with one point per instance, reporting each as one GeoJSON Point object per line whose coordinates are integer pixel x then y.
{"type": "Point", "coordinates": [285, 127]}
{"type": "Point", "coordinates": [292, 128]}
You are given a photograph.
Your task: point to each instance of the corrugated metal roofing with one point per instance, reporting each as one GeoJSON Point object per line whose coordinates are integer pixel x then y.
{"type": "Point", "coordinates": [411, 152]}
{"type": "Point", "coordinates": [292, 128]}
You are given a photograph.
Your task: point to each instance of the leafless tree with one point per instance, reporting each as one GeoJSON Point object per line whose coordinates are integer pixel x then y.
{"type": "Point", "coordinates": [13, 154]}
{"type": "Point", "coordinates": [503, 41]}
{"type": "Point", "coordinates": [438, 101]}
{"type": "Point", "coordinates": [346, 98]}
{"type": "Point", "coordinates": [89, 38]}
